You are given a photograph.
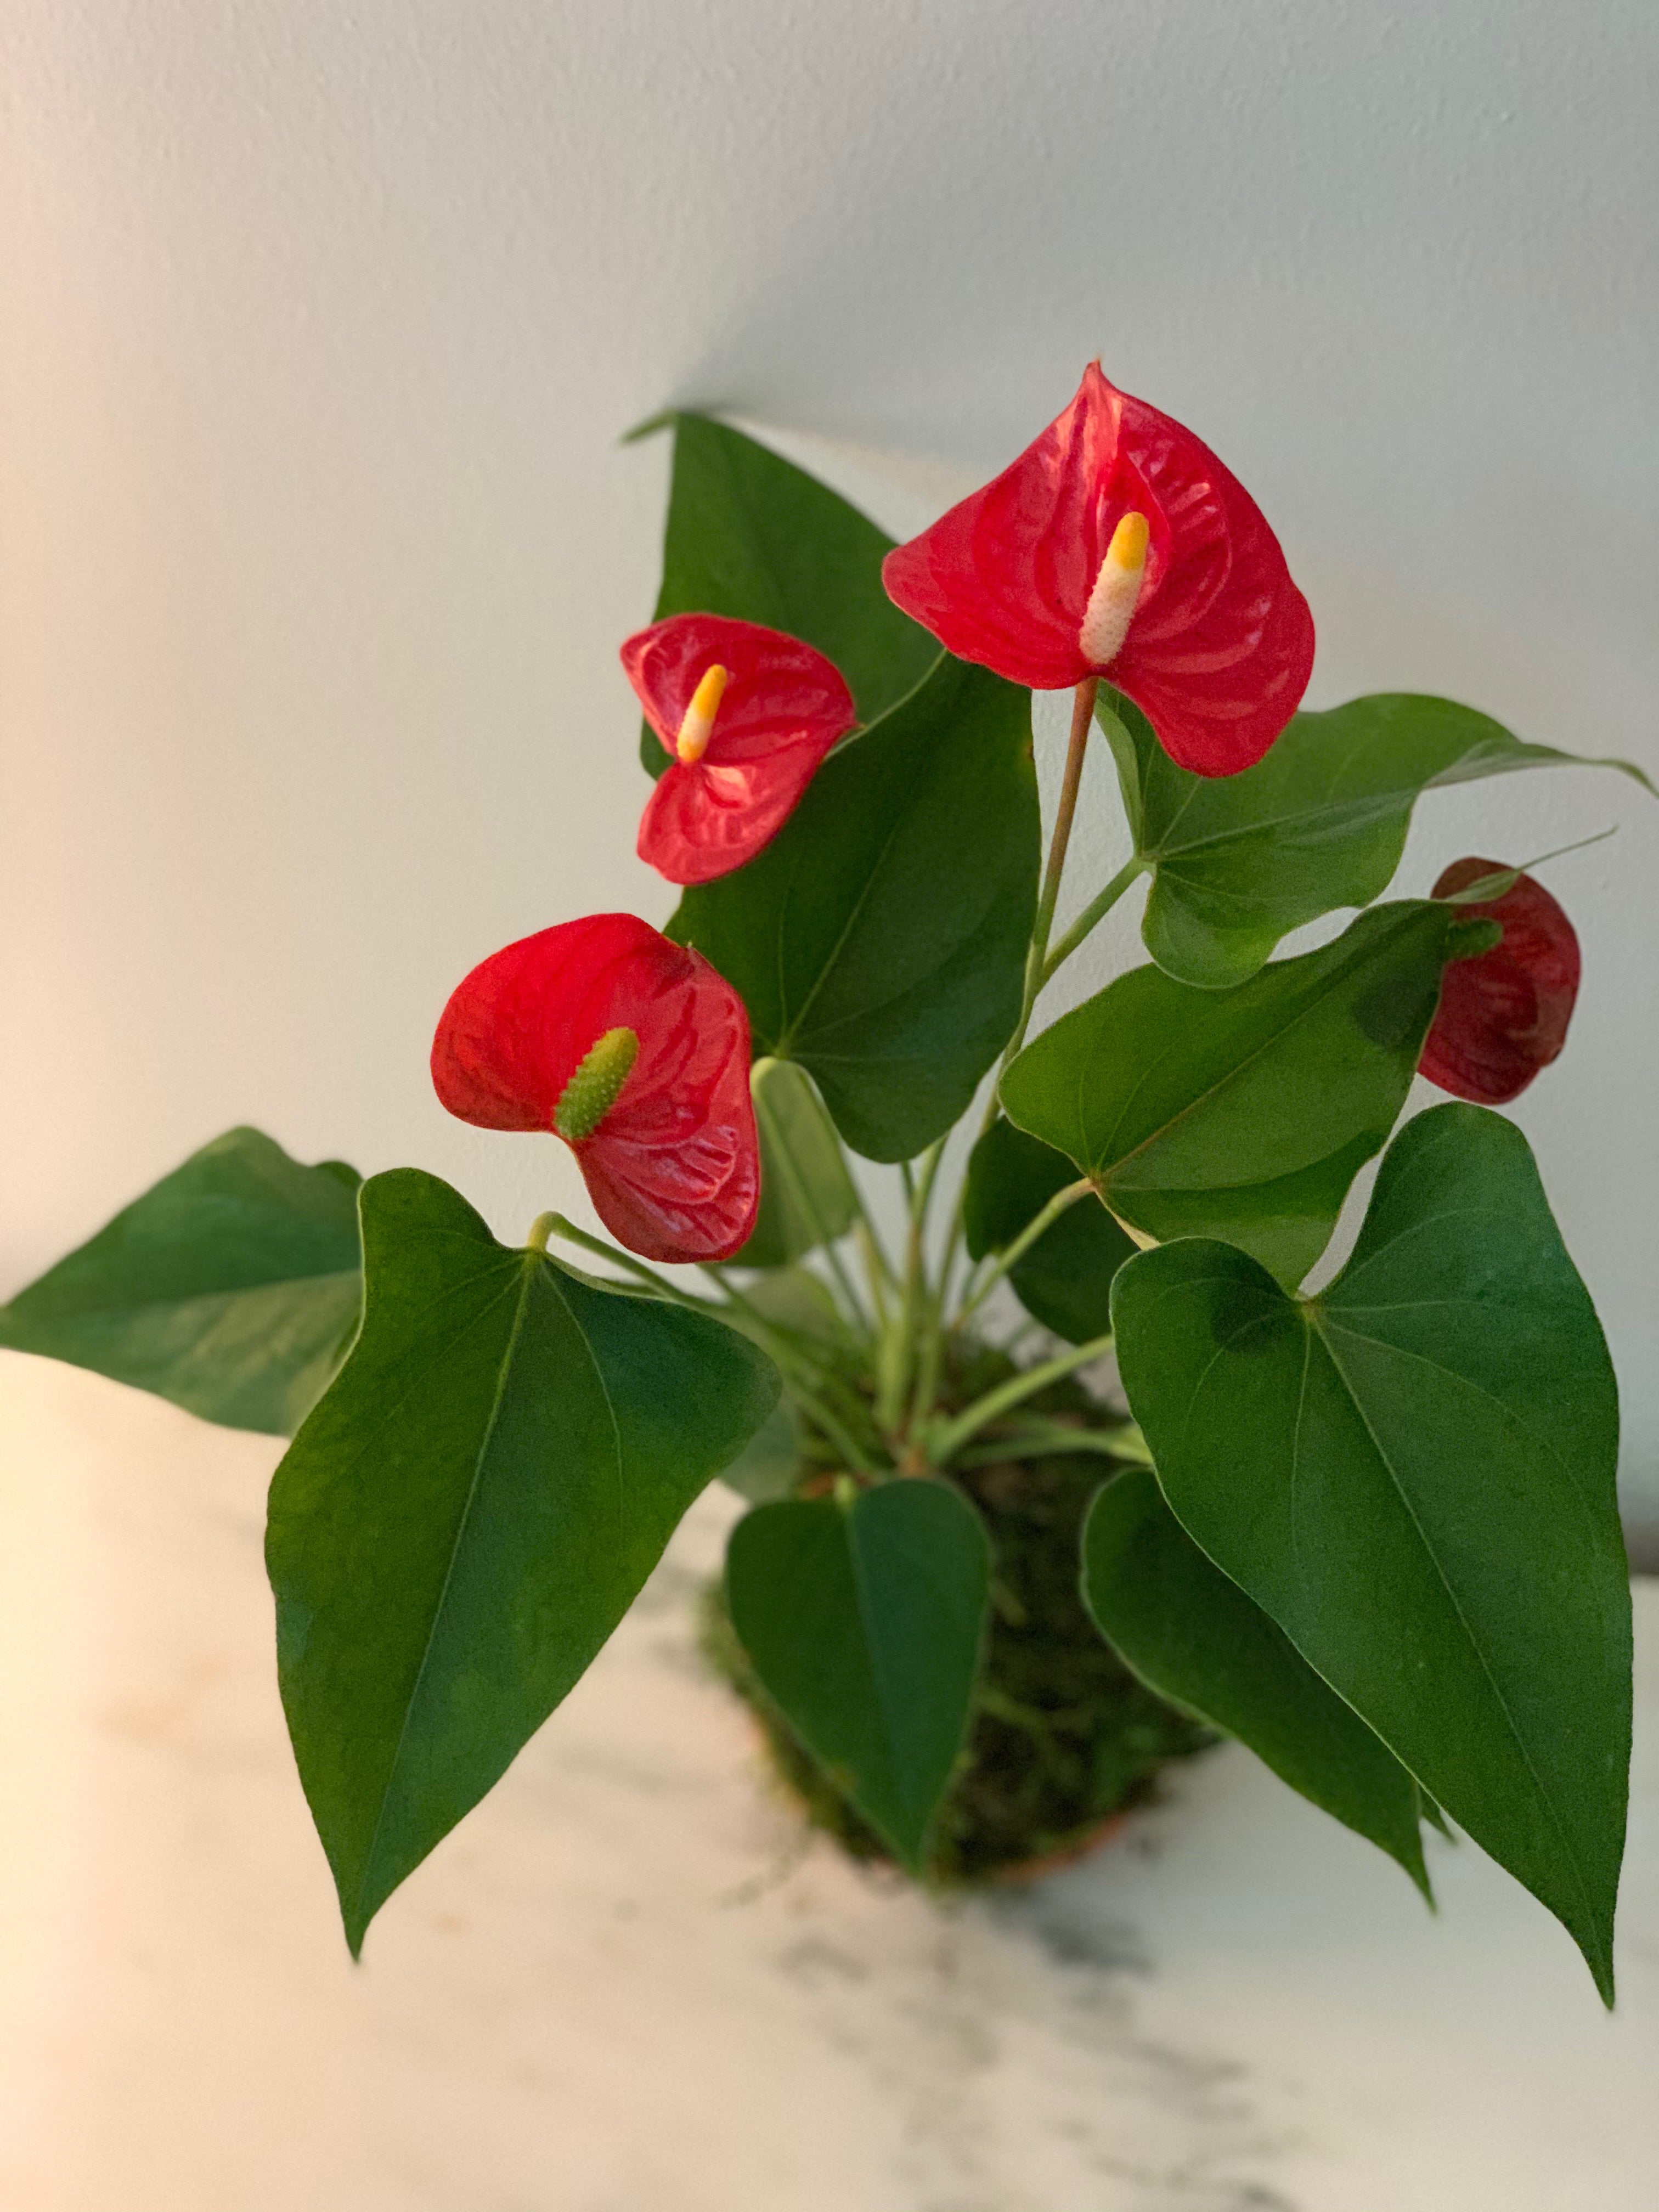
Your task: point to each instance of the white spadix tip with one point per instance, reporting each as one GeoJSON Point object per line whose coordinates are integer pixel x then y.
{"type": "Point", "coordinates": [698, 726]}
{"type": "Point", "coordinates": [1117, 589]}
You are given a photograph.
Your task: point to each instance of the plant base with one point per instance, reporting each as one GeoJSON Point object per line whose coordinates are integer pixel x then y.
{"type": "Point", "coordinates": [1063, 1736]}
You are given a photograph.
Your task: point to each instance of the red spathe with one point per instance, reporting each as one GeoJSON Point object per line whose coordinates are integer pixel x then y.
{"type": "Point", "coordinates": [784, 706]}
{"type": "Point", "coordinates": [673, 1168]}
{"type": "Point", "coordinates": [1220, 645]}
{"type": "Point", "coordinates": [1503, 1015]}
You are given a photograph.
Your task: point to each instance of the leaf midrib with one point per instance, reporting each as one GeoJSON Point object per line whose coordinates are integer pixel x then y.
{"type": "Point", "coordinates": [413, 1696]}
{"type": "Point", "coordinates": [924, 762]}
{"type": "Point", "coordinates": [867, 1625]}
{"type": "Point", "coordinates": [1108, 1167]}
{"type": "Point", "coordinates": [532, 1264]}
{"type": "Point", "coordinates": [136, 1311]}
{"type": "Point", "coordinates": [1331, 814]}
{"type": "Point", "coordinates": [1316, 1323]}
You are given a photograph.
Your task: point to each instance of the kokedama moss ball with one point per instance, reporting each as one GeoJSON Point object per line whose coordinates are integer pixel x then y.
{"type": "Point", "coordinates": [1063, 1735]}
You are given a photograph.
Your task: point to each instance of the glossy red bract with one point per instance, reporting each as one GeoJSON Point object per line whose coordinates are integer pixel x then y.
{"type": "Point", "coordinates": [1220, 644]}
{"type": "Point", "coordinates": [784, 706]}
{"type": "Point", "coordinates": [673, 1167]}
{"type": "Point", "coordinates": [1503, 1015]}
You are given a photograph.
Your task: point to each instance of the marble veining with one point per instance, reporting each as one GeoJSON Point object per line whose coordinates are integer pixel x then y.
{"type": "Point", "coordinates": [630, 1983]}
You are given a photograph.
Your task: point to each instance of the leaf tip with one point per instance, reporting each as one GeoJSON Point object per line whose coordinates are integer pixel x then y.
{"type": "Point", "coordinates": [1599, 1959]}
{"type": "Point", "coordinates": [665, 419]}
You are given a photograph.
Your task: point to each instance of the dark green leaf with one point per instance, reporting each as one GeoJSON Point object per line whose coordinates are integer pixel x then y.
{"type": "Point", "coordinates": [752, 536]}
{"type": "Point", "coordinates": [880, 938]}
{"type": "Point", "coordinates": [806, 1194]}
{"type": "Point", "coordinates": [231, 1288]}
{"type": "Point", "coordinates": [1064, 1279]}
{"type": "Point", "coordinates": [1192, 1635]}
{"type": "Point", "coordinates": [1237, 861]}
{"type": "Point", "coordinates": [1243, 1113]}
{"type": "Point", "coordinates": [1413, 1475]}
{"type": "Point", "coordinates": [863, 1622]}
{"type": "Point", "coordinates": [469, 1512]}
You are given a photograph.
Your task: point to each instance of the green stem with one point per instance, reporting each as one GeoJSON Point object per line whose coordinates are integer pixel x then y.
{"type": "Point", "coordinates": [811, 1378]}
{"type": "Point", "coordinates": [1038, 1439]}
{"type": "Point", "coordinates": [1038, 1225]}
{"type": "Point", "coordinates": [1096, 910]}
{"type": "Point", "coordinates": [924, 1191]}
{"type": "Point", "coordinates": [919, 1349]}
{"type": "Point", "coordinates": [555, 1224]}
{"type": "Point", "coordinates": [761, 1320]}
{"type": "Point", "coordinates": [948, 1436]}
{"type": "Point", "coordinates": [1083, 708]}
{"type": "Point", "coordinates": [876, 1269]}
{"type": "Point", "coordinates": [928, 1358]}
{"type": "Point", "coordinates": [1037, 966]}
{"type": "Point", "coordinates": [844, 1441]}
{"type": "Point", "coordinates": [839, 1435]}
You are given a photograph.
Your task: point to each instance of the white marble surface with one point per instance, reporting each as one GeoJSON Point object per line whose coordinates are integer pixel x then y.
{"type": "Point", "coordinates": [611, 1991]}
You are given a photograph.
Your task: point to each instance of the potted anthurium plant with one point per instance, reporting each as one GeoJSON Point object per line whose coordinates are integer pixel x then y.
{"type": "Point", "coordinates": [1362, 1521]}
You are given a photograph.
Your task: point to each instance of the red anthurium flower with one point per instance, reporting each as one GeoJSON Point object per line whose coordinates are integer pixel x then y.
{"type": "Point", "coordinates": [1117, 545]}
{"type": "Point", "coordinates": [635, 1051]}
{"type": "Point", "coordinates": [747, 714]}
{"type": "Point", "coordinates": [1504, 1014]}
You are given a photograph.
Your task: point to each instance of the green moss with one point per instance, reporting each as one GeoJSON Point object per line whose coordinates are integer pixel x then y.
{"type": "Point", "coordinates": [1063, 1735]}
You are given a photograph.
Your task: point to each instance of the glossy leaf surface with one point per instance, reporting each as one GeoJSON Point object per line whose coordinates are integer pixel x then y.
{"type": "Point", "coordinates": [232, 1287]}
{"type": "Point", "coordinates": [806, 1194]}
{"type": "Point", "coordinates": [1064, 1279]}
{"type": "Point", "coordinates": [1191, 1634]}
{"type": "Point", "coordinates": [880, 939]}
{"type": "Point", "coordinates": [468, 1513]}
{"type": "Point", "coordinates": [1244, 1114]}
{"type": "Point", "coordinates": [1320, 823]}
{"type": "Point", "coordinates": [863, 1622]}
{"type": "Point", "coordinates": [1413, 1476]}
{"type": "Point", "coordinates": [749, 534]}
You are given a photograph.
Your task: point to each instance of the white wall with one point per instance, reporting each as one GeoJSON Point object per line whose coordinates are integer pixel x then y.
{"type": "Point", "coordinates": [317, 327]}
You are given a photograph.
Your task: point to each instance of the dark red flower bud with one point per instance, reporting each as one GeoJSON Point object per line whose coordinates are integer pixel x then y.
{"type": "Point", "coordinates": [635, 1051]}
{"type": "Point", "coordinates": [1504, 1014]}
{"type": "Point", "coordinates": [747, 714]}
{"type": "Point", "coordinates": [1118, 545]}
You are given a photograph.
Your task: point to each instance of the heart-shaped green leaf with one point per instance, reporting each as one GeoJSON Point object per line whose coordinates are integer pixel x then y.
{"type": "Point", "coordinates": [1243, 1113]}
{"type": "Point", "coordinates": [1413, 1474]}
{"type": "Point", "coordinates": [469, 1512]}
{"type": "Point", "coordinates": [1192, 1635]}
{"type": "Point", "coordinates": [1238, 862]}
{"type": "Point", "coordinates": [864, 1620]}
{"type": "Point", "coordinates": [1064, 1279]}
{"type": "Point", "coordinates": [752, 536]}
{"type": "Point", "coordinates": [232, 1287]}
{"type": "Point", "coordinates": [807, 1197]}
{"type": "Point", "coordinates": [880, 938]}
